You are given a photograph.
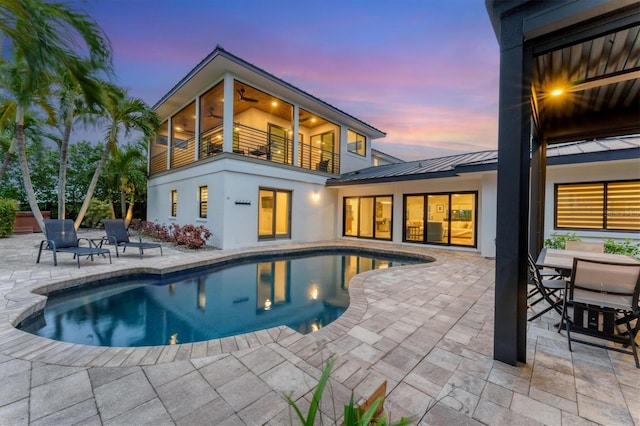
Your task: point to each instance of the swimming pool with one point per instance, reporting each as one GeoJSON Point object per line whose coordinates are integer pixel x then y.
{"type": "Point", "coordinates": [304, 292]}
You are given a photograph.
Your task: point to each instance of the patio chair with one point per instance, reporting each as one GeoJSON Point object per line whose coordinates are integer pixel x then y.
{"type": "Point", "coordinates": [584, 246]}
{"type": "Point", "coordinates": [62, 238]}
{"type": "Point", "coordinates": [548, 290]}
{"type": "Point", "coordinates": [605, 295]}
{"type": "Point", "coordinates": [118, 235]}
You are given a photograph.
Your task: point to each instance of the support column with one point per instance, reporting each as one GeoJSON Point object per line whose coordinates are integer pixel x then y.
{"type": "Point", "coordinates": [197, 127]}
{"type": "Point", "coordinates": [227, 114]}
{"type": "Point", "coordinates": [510, 328]}
{"type": "Point", "coordinates": [296, 131]}
{"type": "Point", "coordinates": [538, 191]}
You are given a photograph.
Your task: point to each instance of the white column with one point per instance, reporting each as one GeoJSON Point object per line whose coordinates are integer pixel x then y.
{"type": "Point", "coordinates": [196, 139]}
{"type": "Point", "coordinates": [227, 120]}
{"type": "Point", "coordinates": [296, 143]}
{"type": "Point", "coordinates": [169, 143]}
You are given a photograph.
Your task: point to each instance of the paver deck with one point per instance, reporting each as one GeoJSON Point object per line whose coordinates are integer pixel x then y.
{"type": "Point", "coordinates": [427, 329]}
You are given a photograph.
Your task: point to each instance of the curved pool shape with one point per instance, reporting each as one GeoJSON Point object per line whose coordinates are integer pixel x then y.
{"type": "Point", "coordinates": [303, 292]}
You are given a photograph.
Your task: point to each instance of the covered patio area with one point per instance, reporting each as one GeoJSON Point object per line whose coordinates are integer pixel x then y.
{"type": "Point", "coordinates": [569, 70]}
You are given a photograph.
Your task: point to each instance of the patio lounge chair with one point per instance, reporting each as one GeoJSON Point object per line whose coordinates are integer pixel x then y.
{"type": "Point", "coordinates": [62, 238]}
{"type": "Point", "coordinates": [118, 235]}
{"type": "Point", "coordinates": [605, 295]}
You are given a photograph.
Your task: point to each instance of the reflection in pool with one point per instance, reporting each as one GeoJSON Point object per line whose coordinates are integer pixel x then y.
{"type": "Point", "coordinates": [304, 293]}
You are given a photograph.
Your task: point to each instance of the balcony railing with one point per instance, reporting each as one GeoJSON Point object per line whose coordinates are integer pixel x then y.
{"type": "Point", "coordinates": [249, 142]}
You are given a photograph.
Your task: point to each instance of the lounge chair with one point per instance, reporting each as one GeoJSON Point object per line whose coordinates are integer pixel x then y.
{"type": "Point", "coordinates": [62, 238]}
{"type": "Point", "coordinates": [118, 235]}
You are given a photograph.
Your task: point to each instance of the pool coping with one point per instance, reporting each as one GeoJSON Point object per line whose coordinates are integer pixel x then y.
{"type": "Point", "coordinates": [30, 299]}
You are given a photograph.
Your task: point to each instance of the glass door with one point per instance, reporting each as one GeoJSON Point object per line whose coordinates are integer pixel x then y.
{"type": "Point", "coordinates": [278, 147]}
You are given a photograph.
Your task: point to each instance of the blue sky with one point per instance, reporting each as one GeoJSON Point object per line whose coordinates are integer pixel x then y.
{"type": "Point", "coordinates": [425, 72]}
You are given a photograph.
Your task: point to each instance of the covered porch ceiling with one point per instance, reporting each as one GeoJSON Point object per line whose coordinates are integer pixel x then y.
{"type": "Point", "coordinates": [585, 84]}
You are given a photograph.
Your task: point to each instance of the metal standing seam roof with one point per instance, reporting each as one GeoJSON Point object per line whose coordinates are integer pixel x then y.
{"type": "Point", "coordinates": [431, 168]}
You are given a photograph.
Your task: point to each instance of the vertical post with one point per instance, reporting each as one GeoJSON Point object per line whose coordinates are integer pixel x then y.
{"type": "Point", "coordinates": [512, 216]}
{"type": "Point", "coordinates": [294, 138]}
{"type": "Point", "coordinates": [538, 191]}
{"type": "Point", "coordinates": [227, 114]}
{"type": "Point", "coordinates": [197, 129]}
{"type": "Point", "coordinates": [169, 141]}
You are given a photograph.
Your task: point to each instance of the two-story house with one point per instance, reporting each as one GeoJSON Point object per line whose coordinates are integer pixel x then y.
{"type": "Point", "coordinates": [259, 161]}
{"type": "Point", "coordinates": [243, 152]}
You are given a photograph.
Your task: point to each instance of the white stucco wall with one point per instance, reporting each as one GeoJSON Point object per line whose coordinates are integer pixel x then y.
{"type": "Point", "coordinates": [484, 184]}
{"type": "Point", "coordinates": [232, 182]}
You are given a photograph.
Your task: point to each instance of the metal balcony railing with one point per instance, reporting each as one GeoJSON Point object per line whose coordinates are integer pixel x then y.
{"type": "Point", "coordinates": [249, 142]}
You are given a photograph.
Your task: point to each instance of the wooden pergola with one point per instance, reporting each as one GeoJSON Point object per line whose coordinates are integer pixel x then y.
{"type": "Point", "coordinates": [569, 70]}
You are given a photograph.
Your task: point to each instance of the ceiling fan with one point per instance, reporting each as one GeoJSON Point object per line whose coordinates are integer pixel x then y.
{"type": "Point", "coordinates": [243, 98]}
{"type": "Point", "coordinates": [210, 114]}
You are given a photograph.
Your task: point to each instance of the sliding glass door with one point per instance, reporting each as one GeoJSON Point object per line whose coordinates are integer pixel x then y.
{"type": "Point", "coordinates": [446, 218]}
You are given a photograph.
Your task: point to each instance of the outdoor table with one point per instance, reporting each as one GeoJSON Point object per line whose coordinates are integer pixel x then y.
{"type": "Point", "coordinates": [562, 261]}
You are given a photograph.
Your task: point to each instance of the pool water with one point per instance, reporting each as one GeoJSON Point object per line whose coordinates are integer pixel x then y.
{"type": "Point", "coordinates": [304, 293]}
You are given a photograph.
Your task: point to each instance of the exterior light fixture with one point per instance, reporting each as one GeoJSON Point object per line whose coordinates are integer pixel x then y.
{"type": "Point", "coordinates": [557, 92]}
{"type": "Point", "coordinates": [315, 196]}
{"type": "Point", "coordinates": [274, 103]}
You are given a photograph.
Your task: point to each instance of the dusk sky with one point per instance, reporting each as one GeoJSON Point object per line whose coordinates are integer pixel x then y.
{"type": "Point", "coordinates": [423, 71]}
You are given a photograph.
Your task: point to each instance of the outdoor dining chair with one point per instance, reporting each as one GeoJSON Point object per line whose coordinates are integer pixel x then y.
{"type": "Point", "coordinates": [549, 290]}
{"type": "Point", "coordinates": [584, 246]}
{"type": "Point", "coordinates": [118, 235]}
{"type": "Point", "coordinates": [62, 238]}
{"type": "Point", "coordinates": [604, 296]}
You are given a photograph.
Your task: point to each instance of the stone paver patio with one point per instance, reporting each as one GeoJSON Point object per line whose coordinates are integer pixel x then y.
{"type": "Point", "coordinates": [427, 329]}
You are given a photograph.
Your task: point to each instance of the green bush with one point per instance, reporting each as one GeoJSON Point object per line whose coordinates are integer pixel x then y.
{"type": "Point", "coordinates": [557, 241]}
{"type": "Point", "coordinates": [622, 247]}
{"type": "Point", "coordinates": [97, 211]}
{"type": "Point", "coordinates": [8, 210]}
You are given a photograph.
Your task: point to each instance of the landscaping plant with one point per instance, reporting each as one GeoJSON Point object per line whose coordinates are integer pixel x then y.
{"type": "Point", "coordinates": [557, 241]}
{"type": "Point", "coordinates": [353, 416]}
{"type": "Point", "coordinates": [625, 247]}
{"type": "Point", "coordinates": [8, 210]}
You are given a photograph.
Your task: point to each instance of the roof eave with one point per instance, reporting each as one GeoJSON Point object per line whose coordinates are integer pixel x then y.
{"type": "Point", "coordinates": [373, 132]}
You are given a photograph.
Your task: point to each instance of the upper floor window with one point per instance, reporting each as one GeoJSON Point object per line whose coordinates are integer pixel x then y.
{"type": "Point", "coordinates": [204, 198]}
{"type": "Point", "coordinates": [174, 203]}
{"type": "Point", "coordinates": [356, 143]}
{"type": "Point", "coordinates": [598, 206]}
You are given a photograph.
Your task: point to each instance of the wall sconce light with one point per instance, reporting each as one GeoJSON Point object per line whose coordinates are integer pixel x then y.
{"type": "Point", "coordinates": [315, 196]}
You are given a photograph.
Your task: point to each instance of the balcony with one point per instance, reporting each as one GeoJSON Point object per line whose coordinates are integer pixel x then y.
{"type": "Point", "coordinates": [247, 142]}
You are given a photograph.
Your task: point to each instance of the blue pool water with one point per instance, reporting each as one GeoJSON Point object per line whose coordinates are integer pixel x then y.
{"type": "Point", "coordinates": [304, 293]}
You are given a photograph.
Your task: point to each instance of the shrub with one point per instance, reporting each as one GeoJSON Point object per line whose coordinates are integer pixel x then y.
{"type": "Point", "coordinates": [557, 241]}
{"type": "Point", "coordinates": [190, 235]}
{"type": "Point", "coordinates": [622, 247]}
{"type": "Point", "coordinates": [8, 210]}
{"type": "Point", "coordinates": [97, 211]}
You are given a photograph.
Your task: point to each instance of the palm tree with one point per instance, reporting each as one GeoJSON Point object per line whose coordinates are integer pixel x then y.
{"type": "Point", "coordinates": [26, 91]}
{"type": "Point", "coordinates": [43, 35]}
{"type": "Point", "coordinates": [122, 114]}
{"type": "Point", "coordinates": [71, 105]}
{"type": "Point", "coordinates": [125, 173]}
